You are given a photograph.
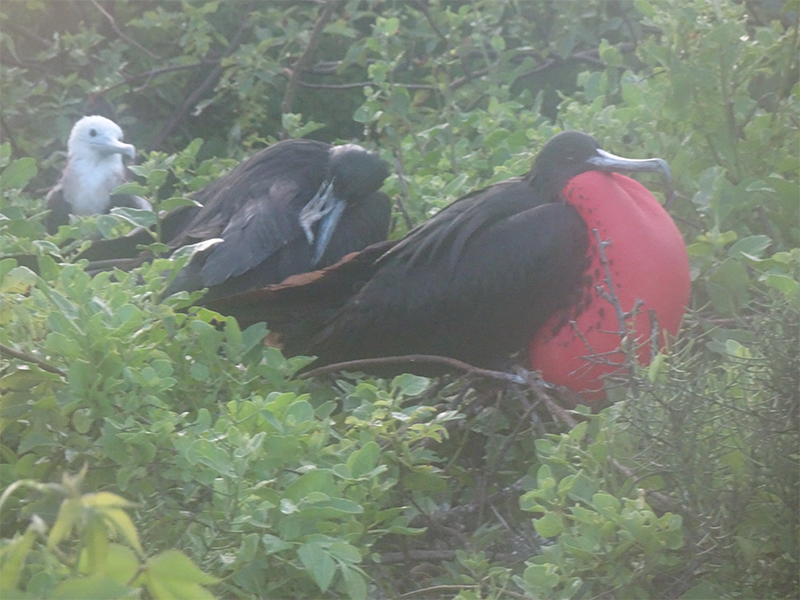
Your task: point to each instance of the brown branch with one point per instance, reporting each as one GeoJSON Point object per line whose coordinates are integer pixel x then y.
{"type": "Point", "coordinates": [119, 32]}
{"type": "Point", "coordinates": [305, 58]}
{"type": "Point", "coordinates": [356, 365]}
{"type": "Point", "coordinates": [29, 358]}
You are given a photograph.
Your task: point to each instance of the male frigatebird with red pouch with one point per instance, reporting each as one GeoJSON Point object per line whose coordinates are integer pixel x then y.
{"type": "Point", "coordinates": [500, 267]}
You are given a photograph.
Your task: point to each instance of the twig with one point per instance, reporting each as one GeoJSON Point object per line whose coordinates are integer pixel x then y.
{"type": "Point", "coordinates": [655, 334]}
{"type": "Point", "coordinates": [23, 356]}
{"type": "Point", "coordinates": [149, 75]}
{"type": "Point", "coordinates": [401, 177]}
{"type": "Point", "coordinates": [557, 411]}
{"type": "Point", "coordinates": [661, 501]}
{"type": "Point", "coordinates": [610, 295]}
{"type": "Point", "coordinates": [118, 31]}
{"type": "Point", "coordinates": [305, 58]}
{"type": "Point", "coordinates": [356, 365]}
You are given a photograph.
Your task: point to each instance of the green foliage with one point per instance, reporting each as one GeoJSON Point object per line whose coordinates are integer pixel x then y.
{"type": "Point", "coordinates": [603, 536]}
{"type": "Point", "coordinates": [355, 487]}
{"type": "Point", "coordinates": [34, 565]}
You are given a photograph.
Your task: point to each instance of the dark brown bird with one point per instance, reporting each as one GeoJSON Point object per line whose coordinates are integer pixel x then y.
{"type": "Point", "coordinates": [295, 206]}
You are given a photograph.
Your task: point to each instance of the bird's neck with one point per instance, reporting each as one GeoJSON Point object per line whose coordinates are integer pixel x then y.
{"type": "Point", "coordinates": [90, 180]}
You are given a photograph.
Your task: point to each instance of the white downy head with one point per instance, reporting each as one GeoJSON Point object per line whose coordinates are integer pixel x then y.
{"type": "Point", "coordinates": [94, 165]}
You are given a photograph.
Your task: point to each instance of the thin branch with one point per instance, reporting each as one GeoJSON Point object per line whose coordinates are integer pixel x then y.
{"type": "Point", "coordinates": [29, 358]}
{"type": "Point", "coordinates": [655, 334]}
{"type": "Point", "coordinates": [119, 32]}
{"type": "Point", "coordinates": [149, 75]}
{"type": "Point", "coordinates": [357, 365]}
{"type": "Point", "coordinates": [305, 58]}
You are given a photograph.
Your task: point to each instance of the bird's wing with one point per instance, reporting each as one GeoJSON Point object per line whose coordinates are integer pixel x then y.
{"type": "Point", "coordinates": [299, 306]}
{"type": "Point", "coordinates": [59, 209]}
{"type": "Point", "coordinates": [450, 228]}
{"type": "Point", "coordinates": [254, 207]}
{"type": "Point", "coordinates": [258, 229]}
{"type": "Point", "coordinates": [480, 298]}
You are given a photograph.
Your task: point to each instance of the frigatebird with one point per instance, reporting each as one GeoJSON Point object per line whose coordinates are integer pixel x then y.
{"type": "Point", "coordinates": [477, 281]}
{"type": "Point", "coordinates": [94, 169]}
{"type": "Point", "coordinates": [292, 207]}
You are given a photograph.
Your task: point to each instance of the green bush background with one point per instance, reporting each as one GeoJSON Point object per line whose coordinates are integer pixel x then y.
{"type": "Point", "coordinates": [241, 482]}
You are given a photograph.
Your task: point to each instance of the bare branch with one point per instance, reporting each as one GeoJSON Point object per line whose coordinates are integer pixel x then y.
{"type": "Point", "coordinates": [29, 358]}
{"type": "Point", "coordinates": [356, 365]}
{"type": "Point", "coordinates": [119, 32]}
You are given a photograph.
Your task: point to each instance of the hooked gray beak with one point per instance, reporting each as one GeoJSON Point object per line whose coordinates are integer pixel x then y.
{"type": "Point", "coordinates": [605, 161]}
{"type": "Point", "coordinates": [112, 146]}
{"type": "Point", "coordinates": [328, 209]}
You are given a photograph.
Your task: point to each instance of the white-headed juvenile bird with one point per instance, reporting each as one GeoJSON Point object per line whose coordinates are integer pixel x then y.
{"type": "Point", "coordinates": [94, 169]}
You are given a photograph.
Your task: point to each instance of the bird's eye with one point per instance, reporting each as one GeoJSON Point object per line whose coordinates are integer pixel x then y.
{"type": "Point", "coordinates": [92, 133]}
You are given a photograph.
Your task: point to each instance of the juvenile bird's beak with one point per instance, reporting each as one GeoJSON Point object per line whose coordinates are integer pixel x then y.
{"type": "Point", "coordinates": [328, 209]}
{"type": "Point", "coordinates": [114, 146]}
{"type": "Point", "coordinates": [125, 149]}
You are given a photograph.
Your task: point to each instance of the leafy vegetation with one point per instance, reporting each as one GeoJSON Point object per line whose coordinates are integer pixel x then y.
{"type": "Point", "coordinates": [154, 449]}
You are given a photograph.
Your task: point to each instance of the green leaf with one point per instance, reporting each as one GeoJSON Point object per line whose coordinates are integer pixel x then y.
{"type": "Point", "coordinates": [13, 558]}
{"type": "Point", "coordinates": [550, 525]}
{"type": "Point", "coordinates": [171, 204]}
{"type": "Point", "coordinates": [606, 504]}
{"type": "Point", "coordinates": [95, 587]}
{"type": "Point", "coordinates": [784, 284]}
{"type": "Point", "coordinates": [135, 216]}
{"type": "Point", "coordinates": [67, 517]}
{"type": "Point", "coordinates": [317, 480]}
{"type": "Point", "coordinates": [364, 459]}
{"type": "Point", "coordinates": [754, 245]}
{"type": "Point", "coordinates": [171, 574]}
{"type": "Point", "coordinates": [354, 583]}
{"type": "Point", "coordinates": [410, 385]}
{"type": "Point", "coordinates": [18, 280]}
{"type": "Point", "coordinates": [318, 563]}
{"type": "Point", "coordinates": [17, 175]}
{"type": "Point", "coordinates": [131, 189]}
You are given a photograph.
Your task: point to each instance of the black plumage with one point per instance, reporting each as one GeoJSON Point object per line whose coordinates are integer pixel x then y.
{"type": "Point", "coordinates": [292, 207]}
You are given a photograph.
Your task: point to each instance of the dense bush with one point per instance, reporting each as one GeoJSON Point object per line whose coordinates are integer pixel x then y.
{"type": "Point", "coordinates": [153, 448]}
